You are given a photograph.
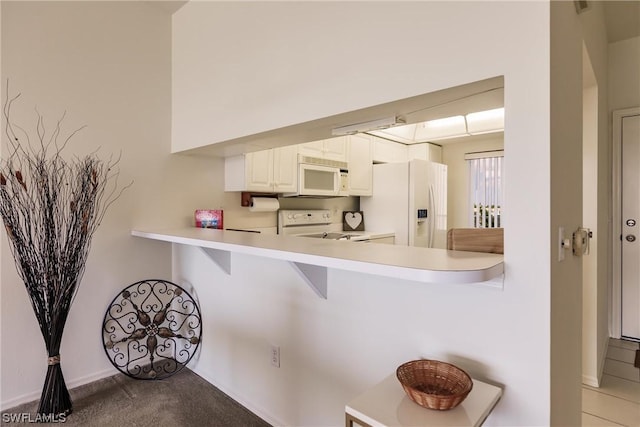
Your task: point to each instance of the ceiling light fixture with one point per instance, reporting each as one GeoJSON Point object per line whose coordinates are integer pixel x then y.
{"type": "Point", "coordinates": [378, 124]}
{"type": "Point", "coordinates": [485, 121]}
{"type": "Point", "coordinates": [448, 127]}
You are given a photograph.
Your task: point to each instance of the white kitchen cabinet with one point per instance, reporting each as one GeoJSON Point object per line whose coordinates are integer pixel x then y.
{"type": "Point", "coordinates": [385, 151]}
{"type": "Point", "coordinates": [425, 151]}
{"type": "Point", "coordinates": [330, 149]}
{"type": "Point", "coordinates": [360, 165]}
{"type": "Point", "coordinates": [312, 149]}
{"type": "Point", "coordinates": [259, 171]}
{"type": "Point", "coordinates": [285, 169]}
{"type": "Point", "coordinates": [265, 171]}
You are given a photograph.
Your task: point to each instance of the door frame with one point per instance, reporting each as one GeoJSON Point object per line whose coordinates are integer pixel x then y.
{"type": "Point", "coordinates": [615, 295]}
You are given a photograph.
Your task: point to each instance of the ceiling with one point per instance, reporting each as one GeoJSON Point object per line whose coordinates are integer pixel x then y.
{"type": "Point", "coordinates": [622, 19]}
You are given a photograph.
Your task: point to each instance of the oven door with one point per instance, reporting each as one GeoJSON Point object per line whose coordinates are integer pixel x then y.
{"type": "Point", "coordinates": [318, 180]}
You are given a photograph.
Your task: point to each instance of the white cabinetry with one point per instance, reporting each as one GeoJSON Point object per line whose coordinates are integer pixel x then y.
{"type": "Point", "coordinates": [425, 151]}
{"type": "Point", "coordinates": [267, 171]}
{"type": "Point", "coordinates": [330, 149]}
{"type": "Point", "coordinates": [360, 165]}
{"type": "Point", "coordinates": [385, 151]}
{"type": "Point", "coordinates": [285, 169]}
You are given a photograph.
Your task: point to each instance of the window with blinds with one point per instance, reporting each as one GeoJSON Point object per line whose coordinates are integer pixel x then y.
{"type": "Point", "coordinates": [486, 171]}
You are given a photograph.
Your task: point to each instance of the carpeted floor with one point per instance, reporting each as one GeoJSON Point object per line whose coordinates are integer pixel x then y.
{"type": "Point", "coordinates": [184, 399]}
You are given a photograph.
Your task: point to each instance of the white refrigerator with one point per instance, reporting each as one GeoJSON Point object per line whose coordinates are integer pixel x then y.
{"type": "Point", "coordinates": [409, 198]}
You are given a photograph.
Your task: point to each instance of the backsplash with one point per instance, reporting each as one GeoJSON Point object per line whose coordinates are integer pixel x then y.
{"type": "Point", "coordinates": [236, 216]}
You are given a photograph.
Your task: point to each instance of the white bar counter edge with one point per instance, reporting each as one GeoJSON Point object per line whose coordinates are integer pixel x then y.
{"type": "Point", "coordinates": [311, 257]}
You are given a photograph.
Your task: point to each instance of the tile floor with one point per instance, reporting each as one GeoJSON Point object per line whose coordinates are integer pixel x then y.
{"type": "Point", "coordinates": [617, 401]}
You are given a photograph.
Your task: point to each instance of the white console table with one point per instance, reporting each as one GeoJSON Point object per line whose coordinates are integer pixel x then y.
{"type": "Point", "coordinates": [387, 405]}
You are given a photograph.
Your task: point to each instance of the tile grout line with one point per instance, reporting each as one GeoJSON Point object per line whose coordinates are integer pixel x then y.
{"type": "Point", "coordinates": [603, 419]}
{"type": "Point", "coordinates": [612, 395]}
{"type": "Point", "coordinates": [623, 378]}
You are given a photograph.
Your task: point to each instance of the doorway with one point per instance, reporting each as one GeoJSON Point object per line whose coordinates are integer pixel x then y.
{"type": "Point", "coordinates": [625, 301]}
{"type": "Point", "coordinates": [594, 289]}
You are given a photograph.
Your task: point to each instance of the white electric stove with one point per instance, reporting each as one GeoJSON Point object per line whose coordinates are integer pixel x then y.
{"type": "Point", "coordinates": [316, 223]}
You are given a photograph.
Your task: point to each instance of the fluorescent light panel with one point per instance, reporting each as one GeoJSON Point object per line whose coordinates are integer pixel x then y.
{"type": "Point", "coordinates": [378, 124]}
{"type": "Point", "coordinates": [449, 127]}
{"type": "Point", "coordinates": [485, 121]}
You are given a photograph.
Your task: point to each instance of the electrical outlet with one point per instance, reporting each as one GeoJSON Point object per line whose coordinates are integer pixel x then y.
{"type": "Point", "coordinates": [275, 356]}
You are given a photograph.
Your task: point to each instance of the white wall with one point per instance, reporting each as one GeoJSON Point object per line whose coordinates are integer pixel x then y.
{"type": "Point", "coordinates": [108, 64]}
{"type": "Point", "coordinates": [290, 63]}
{"type": "Point", "coordinates": [624, 68]}
{"type": "Point", "coordinates": [458, 176]}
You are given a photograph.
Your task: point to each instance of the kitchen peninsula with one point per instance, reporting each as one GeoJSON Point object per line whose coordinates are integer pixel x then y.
{"type": "Point", "coordinates": [312, 257]}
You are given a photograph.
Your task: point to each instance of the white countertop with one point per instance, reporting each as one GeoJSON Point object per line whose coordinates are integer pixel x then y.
{"type": "Point", "coordinates": [386, 404]}
{"type": "Point", "coordinates": [401, 262]}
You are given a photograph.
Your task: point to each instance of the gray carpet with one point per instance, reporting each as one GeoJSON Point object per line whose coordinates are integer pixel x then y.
{"type": "Point", "coordinates": [184, 399]}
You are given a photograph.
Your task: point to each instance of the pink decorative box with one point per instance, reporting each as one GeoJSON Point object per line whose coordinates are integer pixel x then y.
{"type": "Point", "coordinates": [209, 218]}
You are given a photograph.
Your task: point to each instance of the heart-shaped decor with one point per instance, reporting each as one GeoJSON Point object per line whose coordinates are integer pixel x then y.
{"type": "Point", "coordinates": [353, 221]}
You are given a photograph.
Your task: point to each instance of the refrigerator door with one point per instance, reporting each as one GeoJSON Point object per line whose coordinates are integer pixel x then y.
{"type": "Point", "coordinates": [438, 191]}
{"type": "Point", "coordinates": [387, 208]}
{"type": "Point", "coordinates": [419, 214]}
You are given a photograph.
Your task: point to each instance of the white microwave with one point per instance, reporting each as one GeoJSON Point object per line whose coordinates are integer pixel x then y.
{"type": "Point", "coordinates": [319, 177]}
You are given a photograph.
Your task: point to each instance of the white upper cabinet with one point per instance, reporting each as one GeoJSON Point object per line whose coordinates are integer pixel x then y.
{"type": "Point", "coordinates": [425, 151]}
{"type": "Point", "coordinates": [265, 171]}
{"type": "Point", "coordinates": [360, 165]}
{"type": "Point", "coordinates": [259, 171]}
{"type": "Point", "coordinates": [285, 169]}
{"type": "Point", "coordinates": [385, 151]}
{"type": "Point", "coordinates": [330, 149]}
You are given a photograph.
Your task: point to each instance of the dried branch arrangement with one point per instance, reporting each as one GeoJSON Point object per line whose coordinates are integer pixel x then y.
{"type": "Point", "coordinates": [51, 206]}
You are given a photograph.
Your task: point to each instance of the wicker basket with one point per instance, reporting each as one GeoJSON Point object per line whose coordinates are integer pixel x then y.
{"type": "Point", "coordinates": [434, 384]}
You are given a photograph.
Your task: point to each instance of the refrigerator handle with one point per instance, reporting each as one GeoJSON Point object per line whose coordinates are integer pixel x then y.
{"type": "Point", "coordinates": [432, 220]}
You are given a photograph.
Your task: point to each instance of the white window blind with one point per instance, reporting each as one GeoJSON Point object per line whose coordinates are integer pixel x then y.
{"type": "Point", "coordinates": [486, 172]}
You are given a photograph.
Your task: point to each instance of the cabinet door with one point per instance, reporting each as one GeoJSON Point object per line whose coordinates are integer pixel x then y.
{"type": "Point", "coordinates": [388, 152]}
{"type": "Point", "coordinates": [312, 149]}
{"type": "Point", "coordinates": [360, 166]}
{"type": "Point", "coordinates": [335, 149]}
{"type": "Point", "coordinates": [425, 151]}
{"type": "Point", "coordinates": [285, 169]}
{"type": "Point", "coordinates": [259, 171]}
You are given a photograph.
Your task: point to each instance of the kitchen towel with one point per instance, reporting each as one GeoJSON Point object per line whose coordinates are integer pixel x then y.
{"type": "Point", "coordinates": [264, 204]}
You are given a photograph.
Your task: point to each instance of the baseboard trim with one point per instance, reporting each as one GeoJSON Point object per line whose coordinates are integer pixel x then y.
{"type": "Point", "coordinates": [260, 412]}
{"type": "Point", "coordinates": [603, 359]}
{"type": "Point", "coordinates": [591, 381]}
{"type": "Point", "coordinates": [35, 395]}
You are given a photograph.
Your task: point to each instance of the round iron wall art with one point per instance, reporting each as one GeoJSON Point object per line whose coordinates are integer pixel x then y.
{"type": "Point", "coordinates": [151, 329]}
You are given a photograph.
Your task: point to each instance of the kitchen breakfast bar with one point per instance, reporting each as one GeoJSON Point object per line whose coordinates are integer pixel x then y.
{"type": "Point", "coordinates": [311, 258]}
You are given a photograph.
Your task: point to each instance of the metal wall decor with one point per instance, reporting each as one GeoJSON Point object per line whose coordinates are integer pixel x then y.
{"type": "Point", "coordinates": [151, 329]}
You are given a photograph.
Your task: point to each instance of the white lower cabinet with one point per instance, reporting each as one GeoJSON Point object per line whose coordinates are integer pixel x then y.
{"type": "Point", "coordinates": [265, 171]}
{"type": "Point", "coordinates": [360, 165]}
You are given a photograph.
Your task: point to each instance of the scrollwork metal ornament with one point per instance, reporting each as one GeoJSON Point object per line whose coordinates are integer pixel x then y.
{"type": "Point", "coordinates": [152, 329]}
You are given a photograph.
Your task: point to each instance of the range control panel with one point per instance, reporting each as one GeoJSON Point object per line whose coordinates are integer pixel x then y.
{"type": "Point", "coordinates": [289, 218]}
